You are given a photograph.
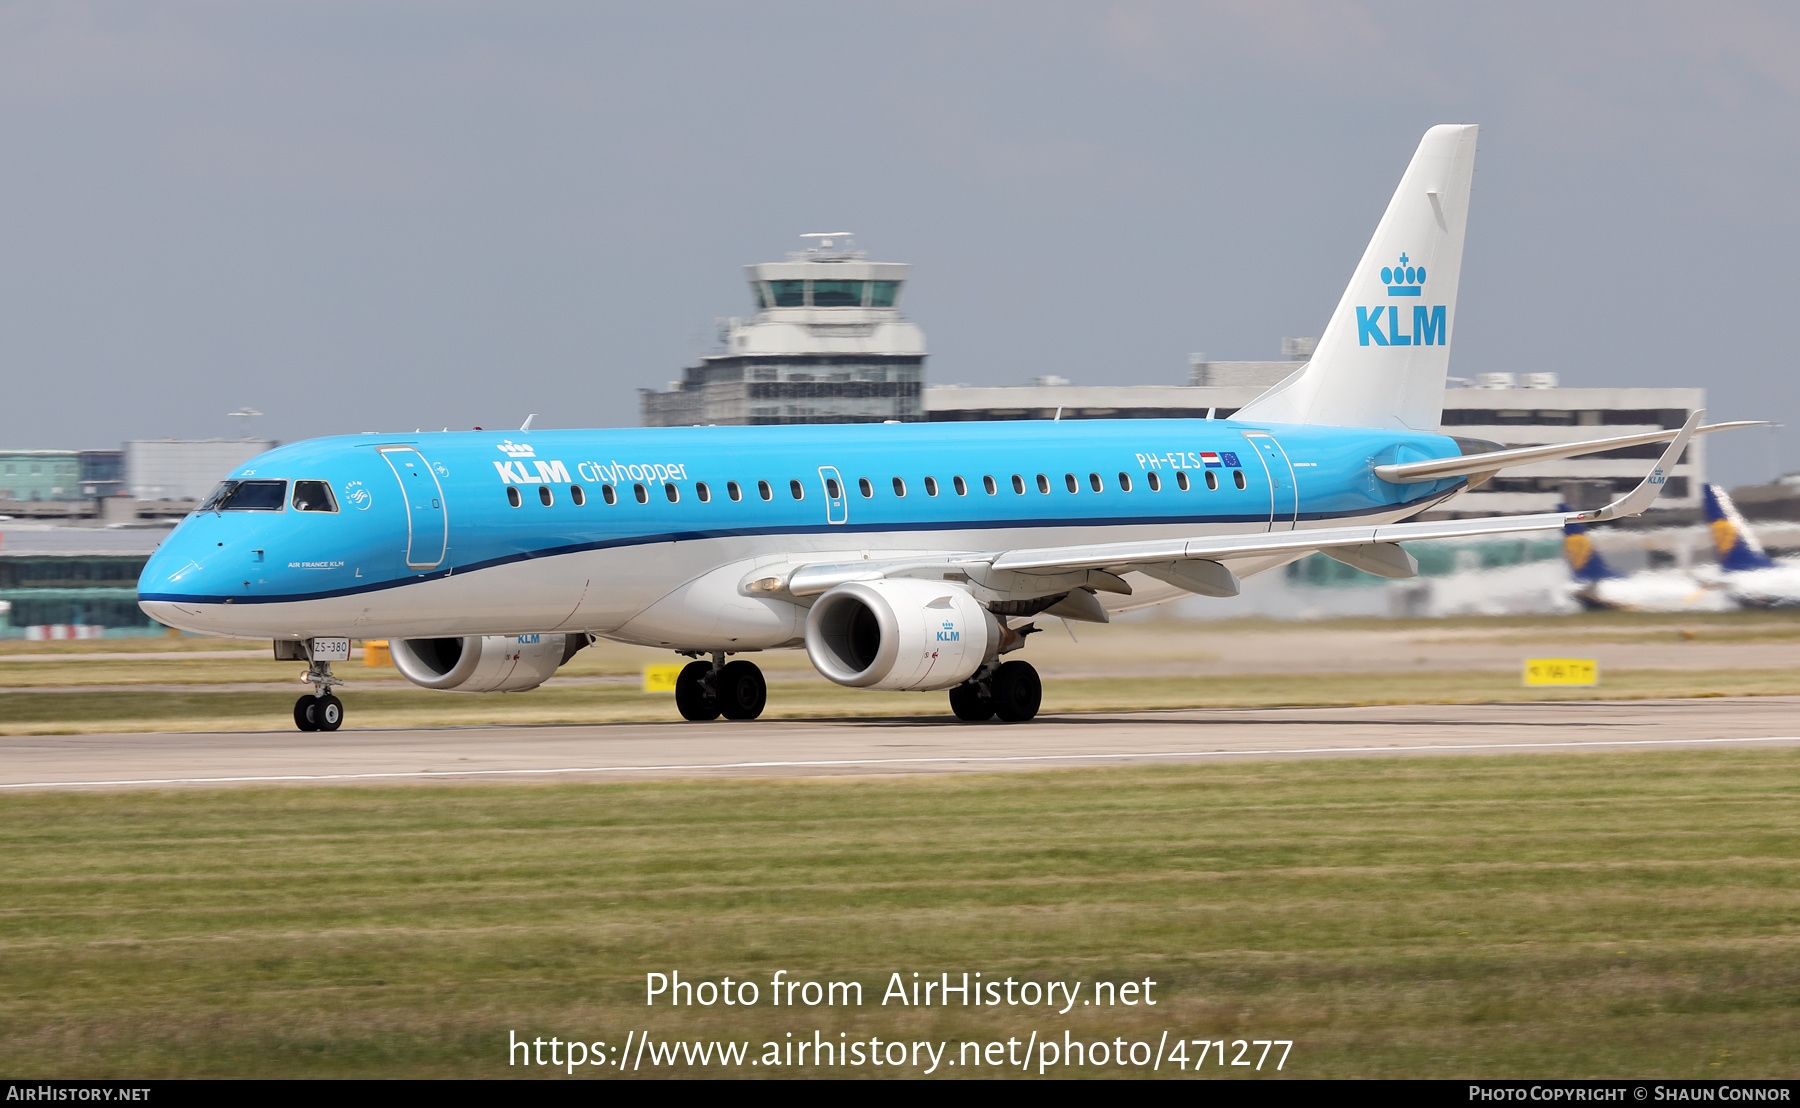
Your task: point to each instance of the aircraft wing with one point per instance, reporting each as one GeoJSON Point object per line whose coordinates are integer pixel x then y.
{"type": "Point", "coordinates": [1119, 557]}
{"type": "Point", "coordinates": [1417, 473]}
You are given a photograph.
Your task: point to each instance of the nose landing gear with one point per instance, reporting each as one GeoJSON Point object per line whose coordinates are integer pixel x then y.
{"type": "Point", "coordinates": [708, 690]}
{"type": "Point", "coordinates": [319, 710]}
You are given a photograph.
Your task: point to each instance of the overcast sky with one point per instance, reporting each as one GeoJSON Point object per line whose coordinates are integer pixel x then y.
{"type": "Point", "coordinates": [394, 215]}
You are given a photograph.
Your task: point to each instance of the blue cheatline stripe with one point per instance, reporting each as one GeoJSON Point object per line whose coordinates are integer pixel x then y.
{"type": "Point", "coordinates": [746, 532]}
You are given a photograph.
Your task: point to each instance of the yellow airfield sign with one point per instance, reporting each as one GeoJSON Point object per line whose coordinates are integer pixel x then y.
{"type": "Point", "coordinates": [1562, 671]}
{"type": "Point", "coordinates": [661, 678]}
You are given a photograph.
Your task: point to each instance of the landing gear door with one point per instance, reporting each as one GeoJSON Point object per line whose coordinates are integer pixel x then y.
{"type": "Point", "coordinates": [1284, 496]}
{"type": "Point", "coordinates": [427, 525]}
{"type": "Point", "coordinates": [837, 508]}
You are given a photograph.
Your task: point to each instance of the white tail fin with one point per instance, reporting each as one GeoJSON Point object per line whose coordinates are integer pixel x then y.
{"type": "Point", "coordinates": [1383, 357]}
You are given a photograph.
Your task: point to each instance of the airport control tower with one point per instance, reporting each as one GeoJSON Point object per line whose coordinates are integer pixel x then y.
{"type": "Point", "coordinates": [827, 345]}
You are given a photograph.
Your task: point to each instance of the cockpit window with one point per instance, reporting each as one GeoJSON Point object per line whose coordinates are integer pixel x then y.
{"type": "Point", "coordinates": [247, 496]}
{"type": "Point", "coordinates": [219, 493]}
{"type": "Point", "coordinates": [314, 496]}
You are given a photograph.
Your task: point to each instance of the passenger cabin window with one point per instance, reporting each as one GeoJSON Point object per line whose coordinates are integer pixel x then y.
{"type": "Point", "coordinates": [642, 494]}
{"type": "Point", "coordinates": [1212, 479]}
{"type": "Point", "coordinates": [1095, 483]}
{"type": "Point", "coordinates": [863, 486]}
{"type": "Point", "coordinates": [899, 487]}
{"type": "Point", "coordinates": [833, 490]}
{"type": "Point", "coordinates": [248, 496]}
{"type": "Point", "coordinates": [1124, 482]}
{"type": "Point", "coordinates": [701, 491]}
{"type": "Point", "coordinates": [1237, 478]}
{"type": "Point", "coordinates": [1043, 483]}
{"type": "Point", "coordinates": [1069, 480]}
{"type": "Point", "coordinates": [732, 490]}
{"type": "Point", "coordinates": [763, 490]}
{"type": "Point", "coordinates": [988, 483]}
{"type": "Point", "coordinates": [578, 495]}
{"type": "Point", "coordinates": [962, 486]}
{"type": "Point", "coordinates": [931, 486]}
{"type": "Point", "coordinates": [1181, 481]}
{"type": "Point", "coordinates": [607, 494]}
{"type": "Point", "coordinates": [1155, 482]}
{"type": "Point", "coordinates": [673, 493]}
{"type": "Point", "coordinates": [1018, 484]}
{"type": "Point", "coordinates": [513, 497]}
{"type": "Point", "coordinates": [314, 496]}
{"type": "Point", "coordinates": [797, 490]}
{"type": "Point", "coordinates": [544, 496]}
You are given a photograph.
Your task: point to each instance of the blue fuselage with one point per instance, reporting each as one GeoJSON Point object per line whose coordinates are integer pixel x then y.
{"type": "Point", "coordinates": [486, 532]}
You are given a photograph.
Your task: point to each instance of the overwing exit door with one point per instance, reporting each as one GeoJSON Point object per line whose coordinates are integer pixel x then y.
{"type": "Point", "coordinates": [1284, 496]}
{"type": "Point", "coordinates": [427, 526]}
{"type": "Point", "coordinates": [837, 507]}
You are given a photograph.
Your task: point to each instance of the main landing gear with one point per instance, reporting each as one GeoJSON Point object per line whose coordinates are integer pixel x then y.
{"type": "Point", "coordinates": [1010, 690]}
{"type": "Point", "coordinates": [708, 690]}
{"type": "Point", "coordinates": [319, 710]}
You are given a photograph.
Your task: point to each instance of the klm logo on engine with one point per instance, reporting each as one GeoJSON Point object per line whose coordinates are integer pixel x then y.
{"type": "Point", "coordinates": [1430, 325]}
{"type": "Point", "coordinates": [949, 633]}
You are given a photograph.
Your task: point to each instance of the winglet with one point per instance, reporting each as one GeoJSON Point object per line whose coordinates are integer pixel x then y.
{"type": "Point", "coordinates": [1645, 494]}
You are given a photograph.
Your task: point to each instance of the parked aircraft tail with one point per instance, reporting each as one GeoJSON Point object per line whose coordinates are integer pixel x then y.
{"type": "Point", "coordinates": [1585, 562]}
{"type": "Point", "coordinates": [1383, 357]}
{"type": "Point", "coordinates": [1732, 537]}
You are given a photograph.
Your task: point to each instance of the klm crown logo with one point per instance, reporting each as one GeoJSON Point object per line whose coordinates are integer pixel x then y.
{"type": "Point", "coordinates": [1404, 279]}
{"type": "Point", "coordinates": [1430, 325]}
{"type": "Point", "coordinates": [518, 449]}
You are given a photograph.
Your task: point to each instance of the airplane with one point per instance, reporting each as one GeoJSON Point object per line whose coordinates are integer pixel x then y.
{"type": "Point", "coordinates": [900, 556]}
{"type": "Point", "coordinates": [1599, 587]}
{"type": "Point", "coordinates": [1745, 571]}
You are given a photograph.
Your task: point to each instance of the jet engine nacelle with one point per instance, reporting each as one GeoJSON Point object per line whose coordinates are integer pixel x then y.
{"type": "Point", "coordinates": [900, 634]}
{"type": "Point", "coordinates": [483, 663]}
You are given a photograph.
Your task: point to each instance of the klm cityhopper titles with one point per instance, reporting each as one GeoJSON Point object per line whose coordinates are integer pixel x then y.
{"type": "Point", "coordinates": [912, 557]}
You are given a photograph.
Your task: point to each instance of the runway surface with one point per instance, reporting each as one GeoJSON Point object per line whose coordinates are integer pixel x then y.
{"type": "Point", "coordinates": [628, 751]}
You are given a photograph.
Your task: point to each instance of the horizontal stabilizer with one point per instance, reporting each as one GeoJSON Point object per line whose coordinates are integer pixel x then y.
{"type": "Point", "coordinates": [1419, 473]}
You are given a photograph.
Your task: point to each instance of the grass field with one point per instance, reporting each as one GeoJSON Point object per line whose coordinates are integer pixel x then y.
{"type": "Point", "coordinates": [1550, 915]}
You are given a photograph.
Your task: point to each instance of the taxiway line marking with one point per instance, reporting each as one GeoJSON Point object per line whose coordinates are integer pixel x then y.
{"type": "Point", "coordinates": [948, 759]}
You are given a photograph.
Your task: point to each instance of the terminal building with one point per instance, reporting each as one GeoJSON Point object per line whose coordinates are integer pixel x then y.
{"type": "Point", "coordinates": [1513, 410]}
{"type": "Point", "coordinates": [827, 345]}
